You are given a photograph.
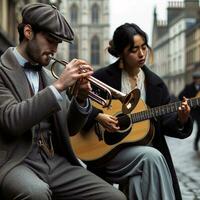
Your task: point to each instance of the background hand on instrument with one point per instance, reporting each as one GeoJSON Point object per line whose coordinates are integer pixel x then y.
{"type": "Point", "coordinates": [109, 122]}
{"type": "Point", "coordinates": [183, 111]}
{"type": "Point", "coordinates": [75, 70]}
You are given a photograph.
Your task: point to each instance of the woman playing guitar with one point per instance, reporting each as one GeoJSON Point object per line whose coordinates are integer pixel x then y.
{"type": "Point", "coordinates": [142, 171]}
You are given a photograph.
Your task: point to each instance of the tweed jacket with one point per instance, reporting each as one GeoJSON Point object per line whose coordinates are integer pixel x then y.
{"type": "Point", "coordinates": [20, 114]}
{"type": "Point", "coordinates": [156, 95]}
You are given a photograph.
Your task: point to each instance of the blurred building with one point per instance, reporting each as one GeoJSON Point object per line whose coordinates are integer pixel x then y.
{"type": "Point", "coordinates": [10, 16]}
{"type": "Point", "coordinates": [90, 22]}
{"type": "Point", "coordinates": [173, 53]}
{"type": "Point", "coordinates": [7, 24]}
{"type": "Point", "coordinates": [192, 51]}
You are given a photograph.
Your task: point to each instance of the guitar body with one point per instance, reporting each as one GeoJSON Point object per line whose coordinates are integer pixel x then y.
{"type": "Point", "coordinates": [94, 148]}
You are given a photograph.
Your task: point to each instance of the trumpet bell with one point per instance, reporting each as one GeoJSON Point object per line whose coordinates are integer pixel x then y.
{"type": "Point", "coordinates": [128, 101]}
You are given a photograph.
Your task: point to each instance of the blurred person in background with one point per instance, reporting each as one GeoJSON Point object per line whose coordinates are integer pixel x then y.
{"type": "Point", "coordinates": [189, 91]}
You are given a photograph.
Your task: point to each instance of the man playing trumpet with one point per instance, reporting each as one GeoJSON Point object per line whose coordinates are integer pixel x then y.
{"type": "Point", "coordinates": [36, 159]}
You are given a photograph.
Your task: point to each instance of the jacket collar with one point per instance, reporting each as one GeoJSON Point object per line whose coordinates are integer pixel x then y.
{"type": "Point", "coordinates": [150, 77]}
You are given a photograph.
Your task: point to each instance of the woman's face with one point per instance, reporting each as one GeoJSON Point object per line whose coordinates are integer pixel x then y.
{"type": "Point", "coordinates": [135, 57]}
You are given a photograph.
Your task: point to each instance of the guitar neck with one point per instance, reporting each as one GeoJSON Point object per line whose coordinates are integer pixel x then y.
{"type": "Point", "coordinates": [162, 110]}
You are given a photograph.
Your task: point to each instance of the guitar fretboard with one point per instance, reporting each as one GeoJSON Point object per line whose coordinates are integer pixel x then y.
{"type": "Point", "coordinates": [162, 110]}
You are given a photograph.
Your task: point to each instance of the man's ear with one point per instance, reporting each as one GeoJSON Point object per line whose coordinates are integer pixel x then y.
{"type": "Point", "coordinates": [28, 32]}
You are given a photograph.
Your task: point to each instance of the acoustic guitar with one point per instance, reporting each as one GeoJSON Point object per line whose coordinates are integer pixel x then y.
{"type": "Point", "coordinates": [97, 145]}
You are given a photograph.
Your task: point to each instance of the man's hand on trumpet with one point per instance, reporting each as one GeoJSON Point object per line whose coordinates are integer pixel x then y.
{"type": "Point", "coordinates": [75, 70]}
{"type": "Point", "coordinates": [81, 90]}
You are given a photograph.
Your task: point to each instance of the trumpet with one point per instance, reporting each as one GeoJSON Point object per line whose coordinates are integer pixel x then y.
{"type": "Point", "coordinates": [129, 101]}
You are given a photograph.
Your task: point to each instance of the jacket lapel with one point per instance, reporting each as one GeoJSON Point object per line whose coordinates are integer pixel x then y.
{"type": "Point", "coordinates": [15, 75]}
{"type": "Point", "coordinates": [47, 81]}
{"type": "Point", "coordinates": [46, 77]}
{"type": "Point", "coordinates": [153, 91]}
{"type": "Point", "coordinates": [115, 75]}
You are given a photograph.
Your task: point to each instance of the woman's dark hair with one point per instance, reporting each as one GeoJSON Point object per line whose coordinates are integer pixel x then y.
{"type": "Point", "coordinates": [123, 36]}
{"type": "Point", "coordinates": [21, 31]}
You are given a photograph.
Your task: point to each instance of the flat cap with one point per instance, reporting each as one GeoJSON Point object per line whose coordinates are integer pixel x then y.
{"type": "Point", "coordinates": [196, 74]}
{"type": "Point", "coordinates": [47, 18]}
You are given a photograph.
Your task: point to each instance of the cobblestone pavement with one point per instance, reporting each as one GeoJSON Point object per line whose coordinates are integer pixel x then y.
{"type": "Point", "coordinates": [187, 164]}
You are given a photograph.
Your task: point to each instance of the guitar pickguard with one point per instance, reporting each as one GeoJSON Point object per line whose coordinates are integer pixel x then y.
{"type": "Point", "coordinates": [115, 137]}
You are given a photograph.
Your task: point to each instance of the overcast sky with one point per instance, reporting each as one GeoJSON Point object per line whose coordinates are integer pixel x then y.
{"type": "Point", "coordinates": [136, 11]}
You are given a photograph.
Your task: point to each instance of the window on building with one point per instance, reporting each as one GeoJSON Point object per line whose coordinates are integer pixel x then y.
{"type": "Point", "coordinates": [95, 14]}
{"type": "Point", "coordinates": [74, 14]}
{"type": "Point", "coordinates": [73, 50]}
{"type": "Point", "coordinates": [95, 51]}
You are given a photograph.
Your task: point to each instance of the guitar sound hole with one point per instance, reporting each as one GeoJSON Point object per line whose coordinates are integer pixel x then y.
{"type": "Point", "coordinates": [124, 121]}
{"type": "Point", "coordinates": [115, 137]}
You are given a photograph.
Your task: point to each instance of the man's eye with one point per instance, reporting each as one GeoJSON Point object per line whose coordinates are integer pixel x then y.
{"type": "Point", "coordinates": [49, 39]}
